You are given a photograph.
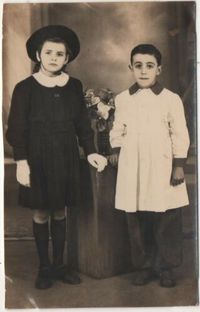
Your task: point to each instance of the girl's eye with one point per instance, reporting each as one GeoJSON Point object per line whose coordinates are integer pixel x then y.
{"type": "Point", "coordinates": [48, 52]}
{"type": "Point", "coordinates": [138, 66]}
{"type": "Point", "coordinates": [60, 54]}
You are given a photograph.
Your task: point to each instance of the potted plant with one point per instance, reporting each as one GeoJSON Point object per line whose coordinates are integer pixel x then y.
{"type": "Point", "coordinates": [101, 107]}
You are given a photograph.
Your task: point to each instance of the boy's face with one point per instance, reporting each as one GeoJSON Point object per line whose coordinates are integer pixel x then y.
{"type": "Point", "coordinates": [145, 69]}
{"type": "Point", "coordinates": [53, 57]}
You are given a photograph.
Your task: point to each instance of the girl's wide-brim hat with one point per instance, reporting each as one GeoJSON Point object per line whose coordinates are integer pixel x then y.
{"type": "Point", "coordinates": [53, 31]}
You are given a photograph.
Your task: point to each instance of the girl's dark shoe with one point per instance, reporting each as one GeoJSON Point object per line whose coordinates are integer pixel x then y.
{"type": "Point", "coordinates": [167, 279]}
{"type": "Point", "coordinates": [44, 280]}
{"type": "Point", "coordinates": [142, 277]}
{"type": "Point", "coordinates": [65, 274]}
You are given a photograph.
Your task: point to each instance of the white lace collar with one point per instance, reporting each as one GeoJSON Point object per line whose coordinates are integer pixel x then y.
{"type": "Point", "coordinates": [60, 80]}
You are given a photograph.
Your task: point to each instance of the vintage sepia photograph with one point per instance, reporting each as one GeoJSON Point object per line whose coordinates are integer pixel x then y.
{"type": "Point", "coordinates": [99, 114]}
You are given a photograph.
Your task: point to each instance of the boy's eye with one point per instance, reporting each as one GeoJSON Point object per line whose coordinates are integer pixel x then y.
{"type": "Point", "coordinates": [149, 66]}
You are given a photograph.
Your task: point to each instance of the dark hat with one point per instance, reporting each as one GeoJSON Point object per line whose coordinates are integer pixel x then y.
{"type": "Point", "coordinates": [53, 31]}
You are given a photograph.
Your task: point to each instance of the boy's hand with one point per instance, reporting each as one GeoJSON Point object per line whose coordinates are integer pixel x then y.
{"type": "Point", "coordinates": [98, 161]}
{"type": "Point", "coordinates": [177, 176]}
{"type": "Point", "coordinates": [23, 172]}
{"type": "Point", "coordinates": [113, 159]}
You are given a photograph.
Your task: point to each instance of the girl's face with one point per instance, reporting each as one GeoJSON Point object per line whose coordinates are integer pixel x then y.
{"type": "Point", "coordinates": [52, 58]}
{"type": "Point", "coordinates": [145, 69]}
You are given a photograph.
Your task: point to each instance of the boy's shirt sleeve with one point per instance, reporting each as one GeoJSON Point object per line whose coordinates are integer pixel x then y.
{"type": "Point", "coordinates": [117, 131]}
{"type": "Point", "coordinates": [178, 131]}
{"type": "Point", "coordinates": [17, 132]}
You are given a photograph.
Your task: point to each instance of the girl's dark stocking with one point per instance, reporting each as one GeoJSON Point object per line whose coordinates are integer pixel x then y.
{"type": "Point", "coordinates": [41, 234]}
{"type": "Point", "coordinates": [61, 271]}
{"type": "Point", "coordinates": [58, 235]}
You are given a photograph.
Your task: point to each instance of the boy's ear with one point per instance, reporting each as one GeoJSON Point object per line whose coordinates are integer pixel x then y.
{"type": "Point", "coordinates": [38, 56]}
{"type": "Point", "coordinates": [159, 70]}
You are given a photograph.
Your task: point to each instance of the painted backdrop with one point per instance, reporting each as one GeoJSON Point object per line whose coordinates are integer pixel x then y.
{"type": "Point", "coordinates": [107, 33]}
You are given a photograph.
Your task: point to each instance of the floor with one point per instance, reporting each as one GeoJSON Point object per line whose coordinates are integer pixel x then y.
{"type": "Point", "coordinates": [117, 291]}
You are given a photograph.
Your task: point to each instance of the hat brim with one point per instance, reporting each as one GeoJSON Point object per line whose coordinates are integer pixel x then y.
{"type": "Point", "coordinates": [53, 31]}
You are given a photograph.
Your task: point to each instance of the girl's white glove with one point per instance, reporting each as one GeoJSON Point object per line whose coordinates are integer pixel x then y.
{"type": "Point", "coordinates": [97, 161]}
{"type": "Point", "coordinates": [23, 172]}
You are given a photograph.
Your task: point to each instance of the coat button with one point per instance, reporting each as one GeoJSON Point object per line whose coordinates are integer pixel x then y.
{"type": "Point", "coordinates": [56, 95]}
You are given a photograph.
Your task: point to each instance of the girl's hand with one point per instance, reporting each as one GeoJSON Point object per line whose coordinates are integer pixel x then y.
{"type": "Point", "coordinates": [177, 176]}
{"type": "Point", "coordinates": [23, 172]}
{"type": "Point", "coordinates": [97, 161]}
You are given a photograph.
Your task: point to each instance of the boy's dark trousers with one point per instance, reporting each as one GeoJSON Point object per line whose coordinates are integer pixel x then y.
{"type": "Point", "coordinates": [155, 239]}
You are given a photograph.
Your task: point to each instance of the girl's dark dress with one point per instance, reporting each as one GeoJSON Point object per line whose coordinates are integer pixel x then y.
{"type": "Point", "coordinates": [43, 127]}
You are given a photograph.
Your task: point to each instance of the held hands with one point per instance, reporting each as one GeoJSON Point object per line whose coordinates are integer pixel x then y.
{"type": "Point", "coordinates": [97, 161]}
{"type": "Point", "coordinates": [23, 172]}
{"type": "Point", "coordinates": [177, 176]}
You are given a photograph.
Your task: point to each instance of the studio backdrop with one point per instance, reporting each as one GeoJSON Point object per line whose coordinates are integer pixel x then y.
{"type": "Point", "coordinates": [107, 32]}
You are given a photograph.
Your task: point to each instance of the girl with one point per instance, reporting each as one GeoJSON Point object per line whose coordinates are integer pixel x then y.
{"type": "Point", "coordinates": [47, 112]}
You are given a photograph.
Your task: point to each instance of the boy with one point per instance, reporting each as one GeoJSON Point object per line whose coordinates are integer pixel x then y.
{"type": "Point", "coordinates": [151, 137]}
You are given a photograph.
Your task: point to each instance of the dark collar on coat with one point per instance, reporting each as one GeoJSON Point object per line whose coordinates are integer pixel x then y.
{"type": "Point", "coordinates": [156, 88]}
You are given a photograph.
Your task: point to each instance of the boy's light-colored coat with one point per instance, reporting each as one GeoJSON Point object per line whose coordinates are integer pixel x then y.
{"type": "Point", "coordinates": [151, 130]}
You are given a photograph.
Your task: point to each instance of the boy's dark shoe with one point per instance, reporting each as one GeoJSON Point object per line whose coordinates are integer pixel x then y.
{"type": "Point", "coordinates": [142, 277]}
{"type": "Point", "coordinates": [43, 280]}
{"type": "Point", "coordinates": [65, 274]}
{"type": "Point", "coordinates": [167, 279]}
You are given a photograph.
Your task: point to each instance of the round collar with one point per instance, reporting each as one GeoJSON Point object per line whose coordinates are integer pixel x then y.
{"type": "Point", "coordinates": [60, 80]}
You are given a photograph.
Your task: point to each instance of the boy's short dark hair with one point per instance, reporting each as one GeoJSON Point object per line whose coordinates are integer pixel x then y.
{"type": "Point", "coordinates": [147, 49]}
